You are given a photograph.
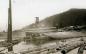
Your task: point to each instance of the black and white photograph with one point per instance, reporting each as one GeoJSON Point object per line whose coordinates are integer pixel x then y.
{"type": "Point", "coordinates": [42, 26]}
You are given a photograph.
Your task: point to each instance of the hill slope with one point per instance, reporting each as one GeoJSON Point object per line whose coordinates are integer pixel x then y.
{"type": "Point", "coordinates": [71, 17]}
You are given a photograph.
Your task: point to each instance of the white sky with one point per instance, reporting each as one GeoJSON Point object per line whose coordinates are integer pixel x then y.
{"type": "Point", "coordinates": [24, 11]}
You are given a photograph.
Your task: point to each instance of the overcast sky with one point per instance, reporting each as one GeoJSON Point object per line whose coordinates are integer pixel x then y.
{"type": "Point", "coordinates": [25, 11]}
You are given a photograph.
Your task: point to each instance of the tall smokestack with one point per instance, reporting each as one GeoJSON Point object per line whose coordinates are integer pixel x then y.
{"type": "Point", "coordinates": [37, 20]}
{"type": "Point", "coordinates": [9, 38]}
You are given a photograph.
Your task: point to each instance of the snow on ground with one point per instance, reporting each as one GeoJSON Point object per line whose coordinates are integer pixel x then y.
{"type": "Point", "coordinates": [65, 34]}
{"type": "Point", "coordinates": [71, 52]}
{"type": "Point", "coordinates": [22, 47]}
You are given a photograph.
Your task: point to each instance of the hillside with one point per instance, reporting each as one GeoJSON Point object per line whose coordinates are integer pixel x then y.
{"type": "Point", "coordinates": [71, 17]}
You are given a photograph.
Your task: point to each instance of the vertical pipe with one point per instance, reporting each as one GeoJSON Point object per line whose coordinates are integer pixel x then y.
{"type": "Point", "coordinates": [9, 38]}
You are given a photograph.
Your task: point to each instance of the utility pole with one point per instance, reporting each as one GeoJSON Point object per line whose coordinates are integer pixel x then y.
{"type": "Point", "coordinates": [9, 36]}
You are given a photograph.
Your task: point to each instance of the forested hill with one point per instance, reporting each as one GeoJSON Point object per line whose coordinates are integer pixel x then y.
{"type": "Point", "coordinates": [71, 17]}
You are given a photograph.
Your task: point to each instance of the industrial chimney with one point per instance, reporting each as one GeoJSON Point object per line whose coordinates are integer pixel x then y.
{"type": "Point", "coordinates": [37, 22]}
